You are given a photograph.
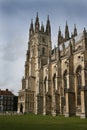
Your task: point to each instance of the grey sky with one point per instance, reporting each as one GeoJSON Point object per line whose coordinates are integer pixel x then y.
{"type": "Point", "coordinates": [15, 18]}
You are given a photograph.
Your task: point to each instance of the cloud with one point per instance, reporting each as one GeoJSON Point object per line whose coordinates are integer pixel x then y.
{"type": "Point", "coordinates": [10, 72]}
{"type": "Point", "coordinates": [13, 50]}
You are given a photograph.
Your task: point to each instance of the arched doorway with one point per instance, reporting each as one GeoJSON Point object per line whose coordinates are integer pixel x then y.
{"type": "Point", "coordinates": [21, 108]}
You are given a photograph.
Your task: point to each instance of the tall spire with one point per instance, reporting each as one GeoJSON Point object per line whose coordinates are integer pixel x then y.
{"type": "Point", "coordinates": [75, 30]}
{"type": "Point", "coordinates": [59, 36]}
{"type": "Point", "coordinates": [66, 32]}
{"type": "Point", "coordinates": [31, 27]}
{"type": "Point", "coordinates": [37, 23]}
{"type": "Point", "coordinates": [48, 28]}
{"type": "Point", "coordinates": [84, 32]}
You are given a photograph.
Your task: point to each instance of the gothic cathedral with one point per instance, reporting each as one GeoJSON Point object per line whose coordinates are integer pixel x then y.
{"type": "Point", "coordinates": [55, 80]}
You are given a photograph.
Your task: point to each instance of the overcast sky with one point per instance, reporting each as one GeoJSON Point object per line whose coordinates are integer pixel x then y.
{"type": "Point", "coordinates": [15, 18]}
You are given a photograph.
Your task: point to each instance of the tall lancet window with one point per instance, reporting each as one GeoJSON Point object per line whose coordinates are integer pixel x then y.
{"type": "Point", "coordinates": [65, 80]}
{"type": "Point", "coordinates": [65, 84]}
{"type": "Point", "coordinates": [79, 84]}
{"type": "Point", "coordinates": [54, 82]}
{"type": "Point", "coordinates": [45, 85]}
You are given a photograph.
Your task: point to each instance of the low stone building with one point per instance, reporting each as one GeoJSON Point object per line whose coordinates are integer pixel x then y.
{"type": "Point", "coordinates": [55, 80]}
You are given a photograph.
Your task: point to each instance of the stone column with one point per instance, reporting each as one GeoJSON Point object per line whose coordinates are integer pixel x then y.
{"type": "Point", "coordinates": [56, 84]}
{"type": "Point", "coordinates": [44, 105]}
{"type": "Point", "coordinates": [26, 83]}
{"type": "Point", "coordinates": [61, 110]}
{"type": "Point", "coordinates": [84, 103]}
{"type": "Point", "coordinates": [18, 111]}
{"type": "Point", "coordinates": [83, 77]}
{"type": "Point", "coordinates": [35, 96]}
{"type": "Point", "coordinates": [53, 112]}
{"type": "Point", "coordinates": [35, 105]}
{"type": "Point", "coordinates": [53, 102]}
{"type": "Point", "coordinates": [68, 84]}
{"type": "Point", "coordinates": [67, 105]}
{"type": "Point", "coordinates": [70, 103]}
{"type": "Point", "coordinates": [83, 96]}
{"type": "Point", "coordinates": [59, 94]}
{"type": "Point", "coordinates": [67, 98]}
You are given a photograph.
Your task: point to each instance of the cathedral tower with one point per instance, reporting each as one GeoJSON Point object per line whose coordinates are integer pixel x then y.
{"type": "Point", "coordinates": [39, 48]}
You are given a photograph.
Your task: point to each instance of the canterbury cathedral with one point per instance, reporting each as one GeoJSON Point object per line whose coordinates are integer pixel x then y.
{"type": "Point", "coordinates": [55, 80]}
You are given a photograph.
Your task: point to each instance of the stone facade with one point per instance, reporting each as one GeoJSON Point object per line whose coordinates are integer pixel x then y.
{"type": "Point", "coordinates": [55, 80]}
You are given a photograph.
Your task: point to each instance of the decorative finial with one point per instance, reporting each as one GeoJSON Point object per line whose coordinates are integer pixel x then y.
{"type": "Point", "coordinates": [84, 29]}
{"type": "Point", "coordinates": [37, 14]}
{"type": "Point", "coordinates": [48, 27]}
{"type": "Point", "coordinates": [59, 28]}
{"type": "Point", "coordinates": [66, 23]}
{"type": "Point", "coordinates": [48, 17]}
{"type": "Point", "coordinates": [75, 30]}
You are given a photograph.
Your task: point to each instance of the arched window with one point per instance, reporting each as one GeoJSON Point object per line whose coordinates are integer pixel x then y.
{"type": "Point", "coordinates": [79, 84]}
{"type": "Point", "coordinates": [54, 82]}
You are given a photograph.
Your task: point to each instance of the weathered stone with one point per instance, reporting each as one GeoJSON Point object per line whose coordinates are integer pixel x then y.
{"type": "Point", "coordinates": [54, 77]}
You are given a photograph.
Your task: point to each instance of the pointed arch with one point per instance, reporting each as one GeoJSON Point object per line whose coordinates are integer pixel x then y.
{"type": "Point", "coordinates": [78, 83]}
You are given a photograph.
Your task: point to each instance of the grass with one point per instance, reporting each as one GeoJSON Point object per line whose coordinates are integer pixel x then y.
{"type": "Point", "coordinates": [38, 122]}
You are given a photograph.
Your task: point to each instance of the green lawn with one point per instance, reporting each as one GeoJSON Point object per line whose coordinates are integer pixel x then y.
{"type": "Point", "coordinates": [37, 122]}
